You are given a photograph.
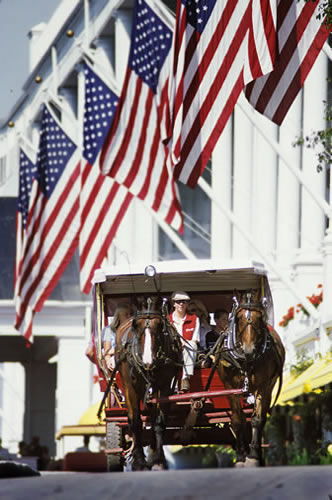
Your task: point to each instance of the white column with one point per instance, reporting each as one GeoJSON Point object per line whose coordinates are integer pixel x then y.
{"type": "Point", "coordinates": [288, 188]}
{"type": "Point", "coordinates": [242, 181]}
{"type": "Point", "coordinates": [221, 227]}
{"type": "Point", "coordinates": [13, 402]}
{"type": "Point", "coordinates": [264, 189]}
{"type": "Point", "coordinates": [327, 271]}
{"type": "Point", "coordinates": [308, 263]}
{"type": "Point", "coordinates": [314, 95]}
{"type": "Point", "coordinates": [74, 381]}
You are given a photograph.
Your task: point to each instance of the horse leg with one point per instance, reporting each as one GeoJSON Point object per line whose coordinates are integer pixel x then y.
{"type": "Point", "coordinates": [258, 419]}
{"type": "Point", "coordinates": [157, 460]}
{"type": "Point", "coordinates": [238, 422]}
{"type": "Point", "coordinates": [135, 429]}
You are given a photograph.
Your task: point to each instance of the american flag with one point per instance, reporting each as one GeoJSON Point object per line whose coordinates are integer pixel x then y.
{"type": "Point", "coordinates": [301, 36]}
{"type": "Point", "coordinates": [27, 174]}
{"type": "Point", "coordinates": [133, 153]}
{"type": "Point", "coordinates": [104, 202]}
{"type": "Point", "coordinates": [51, 219]}
{"type": "Point", "coordinates": [220, 46]}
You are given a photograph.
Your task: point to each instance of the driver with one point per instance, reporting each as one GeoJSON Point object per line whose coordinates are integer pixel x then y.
{"type": "Point", "coordinates": [188, 327]}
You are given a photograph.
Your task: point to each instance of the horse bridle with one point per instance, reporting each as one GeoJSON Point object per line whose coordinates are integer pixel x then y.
{"type": "Point", "coordinates": [233, 345]}
{"type": "Point", "coordinates": [161, 356]}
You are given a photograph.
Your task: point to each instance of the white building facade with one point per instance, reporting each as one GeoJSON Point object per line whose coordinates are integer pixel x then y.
{"type": "Point", "coordinates": [260, 198]}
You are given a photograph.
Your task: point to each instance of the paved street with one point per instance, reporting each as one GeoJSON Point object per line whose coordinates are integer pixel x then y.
{"type": "Point", "coordinates": [286, 483]}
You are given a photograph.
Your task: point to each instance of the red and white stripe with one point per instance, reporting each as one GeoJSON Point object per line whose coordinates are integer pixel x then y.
{"type": "Point", "coordinates": [210, 70]}
{"type": "Point", "coordinates": [104, 203]}
{"type": "Point", "coordinates": [133, 152]}
{"type": "Point", "coordinates": [50, 240]}
{"type": "Point", "coordinates": [301, 36]}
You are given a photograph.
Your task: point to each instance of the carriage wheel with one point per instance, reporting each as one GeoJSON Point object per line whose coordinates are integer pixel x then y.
{"type": "Point", "coordinates": [114, 439]}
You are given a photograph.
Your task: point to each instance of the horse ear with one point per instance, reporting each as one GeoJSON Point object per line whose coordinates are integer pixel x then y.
{"type": "Point", "coordinates": [135, 302]}
{"type": "Point", "coordinates": [236, 298]}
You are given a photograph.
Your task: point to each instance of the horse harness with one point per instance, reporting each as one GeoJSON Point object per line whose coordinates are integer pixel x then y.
{"type": "Point", "coordinates": [228, 349]}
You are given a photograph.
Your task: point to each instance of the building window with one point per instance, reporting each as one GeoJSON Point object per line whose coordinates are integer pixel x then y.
{"type": "Point", "coordinates": [196, 207]}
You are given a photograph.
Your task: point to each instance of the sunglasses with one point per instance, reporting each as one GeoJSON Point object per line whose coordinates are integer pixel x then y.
{"type": "Point", "coordinates": [180, 301]}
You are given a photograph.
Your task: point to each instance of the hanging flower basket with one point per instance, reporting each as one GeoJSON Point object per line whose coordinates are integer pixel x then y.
{"type": "Point", "coordinates": [316, 299]}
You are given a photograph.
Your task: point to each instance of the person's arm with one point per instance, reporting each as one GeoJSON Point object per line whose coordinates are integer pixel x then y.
{"type": "Point", "coordinates": [89, 353]}
{"type": "Point", "coordinates": [196, 335]}
{"type": "Point", "coordinates": [108, 353]}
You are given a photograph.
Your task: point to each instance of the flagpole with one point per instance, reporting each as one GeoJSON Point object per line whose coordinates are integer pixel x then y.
{"type": "Point", "coordinates": [269, 262]}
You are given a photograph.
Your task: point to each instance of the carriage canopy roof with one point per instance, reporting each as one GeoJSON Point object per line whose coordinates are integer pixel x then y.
{"type": "Point", "coordinates": [200, 276]}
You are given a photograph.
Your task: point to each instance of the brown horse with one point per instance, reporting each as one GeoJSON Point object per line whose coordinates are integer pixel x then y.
{"type": "Point", "coordinates": [252, 358]}
{"type": "Point", "coordinates": [149, 354]}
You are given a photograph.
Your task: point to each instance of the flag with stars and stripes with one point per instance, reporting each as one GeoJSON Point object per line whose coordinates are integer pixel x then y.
{"type": "Point", "coordinates": [133, 153]}
{"type": "Point", "coordinates": [301, 36]}
{"type": "Point", "coordinates": [27, 172]}
{"type": "Point", "coordinates": [103, 201]}
{"type": "Point", "coordinates": [49, 207]}
{"type": "Point", "coordinates": [219, 46]}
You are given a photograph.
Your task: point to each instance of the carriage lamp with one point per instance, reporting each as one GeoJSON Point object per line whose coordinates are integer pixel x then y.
{"type": "Point", "coordinates": [150, 271]}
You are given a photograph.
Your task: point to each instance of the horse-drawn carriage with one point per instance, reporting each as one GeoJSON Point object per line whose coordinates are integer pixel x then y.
{"type": "Point", "coordinates": [142, 403]}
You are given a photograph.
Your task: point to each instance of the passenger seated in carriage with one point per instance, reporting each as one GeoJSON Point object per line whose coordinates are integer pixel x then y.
{"type": "Point", "coordinates": [122, 314]}
{"type": "Point", "coordinates": [188, 327]}
{"type": "Point", "coordinates": [108, 334]}
{"type": "Point", "coordinates": [221, 324]}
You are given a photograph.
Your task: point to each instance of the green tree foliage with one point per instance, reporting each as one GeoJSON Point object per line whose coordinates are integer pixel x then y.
{"type": "Point", "coordinates": [321, 140]}
{"type": "Point", "coordinates": [325, 11]}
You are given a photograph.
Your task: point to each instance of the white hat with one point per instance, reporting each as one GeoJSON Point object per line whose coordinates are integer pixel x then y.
{"type": "Point", "coordinates": [180, 296]}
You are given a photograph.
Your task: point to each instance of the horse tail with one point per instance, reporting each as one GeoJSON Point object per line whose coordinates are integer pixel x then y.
{"type": "Point", "coordinates": [279, 391]}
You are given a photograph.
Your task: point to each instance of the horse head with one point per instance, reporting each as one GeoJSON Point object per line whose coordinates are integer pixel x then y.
{"type": "Point", "coordinates": [149, 329]}
{"type": "Point", "coordinates": [249, 325]}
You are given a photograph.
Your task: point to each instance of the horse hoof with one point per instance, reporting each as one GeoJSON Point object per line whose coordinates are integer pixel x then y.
{"type": "Point", "coordinates": [251, 462]}
{"type": "Point", "coordinates": [139, 467]}
{"type": "Point", "coordinates": [239, 465]}
{"type": "Point", "coordinates": [158, 467]}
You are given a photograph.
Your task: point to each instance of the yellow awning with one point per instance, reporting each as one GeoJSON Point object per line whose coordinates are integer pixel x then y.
{"type": "Point", "coordinates": [81, 430]}
{"type": "Point", "coordinates": [287, 379]}
{"type": "Point", "coordinates": [87, 424]}
{"type": "Point", "coordinates": [303, 384]}
{"type": "Point", "coordinates": [323, 376]}
{"type": "Point", "coordinates": [89, 417]}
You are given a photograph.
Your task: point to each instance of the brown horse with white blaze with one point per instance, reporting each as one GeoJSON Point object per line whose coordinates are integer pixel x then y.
{"type": "Point", "coordinates": [252, 358]}
{"type": "Point", "coordinates": [149, 355]}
